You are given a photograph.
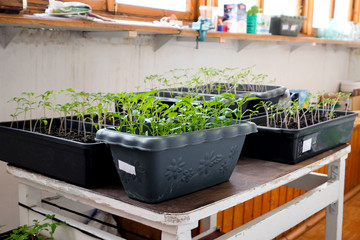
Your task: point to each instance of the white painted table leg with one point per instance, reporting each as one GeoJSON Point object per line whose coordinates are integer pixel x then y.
{"type": "Point", "coordinates": [181, 232]}
{"type": "Point", "coordinates": [209, 225]}
{"type": "Point", "coordinates": [334, 212]}
{"type": "Point", "coordinates": [28, 196]}
{"type": "Point", "coordinates": [174, 236]}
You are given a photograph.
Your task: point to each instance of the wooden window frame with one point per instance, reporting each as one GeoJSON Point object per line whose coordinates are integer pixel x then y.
{"type": "Point", "coordinates": [356, 13]}
{"type": "Point", "coordinates": [308, 9]}
{"type": "Point", "coordinates": [150, 14]}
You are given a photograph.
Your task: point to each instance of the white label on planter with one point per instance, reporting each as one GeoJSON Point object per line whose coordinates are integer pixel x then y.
{"type": "Point", "coordinates": [307, 145]}
{"type": "Point", "coordinates": [126, 167]}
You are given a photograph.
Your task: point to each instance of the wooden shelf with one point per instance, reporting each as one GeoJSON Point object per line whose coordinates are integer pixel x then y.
{"type": "Point", "coordinates": [69, 24]}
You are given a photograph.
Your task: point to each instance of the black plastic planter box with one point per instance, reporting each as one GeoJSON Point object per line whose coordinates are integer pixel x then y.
{"type": "Point", "coordinates": [87, 165]}
{"type": "Point", "coordinates": [155, 169]}
{"type": "Point", "coordinates": [166, 97]}
{"type": "Point", "coordinates": [263, 92]}
{"type": "Point", "coordinates": [293, 146]}
{"type": "Point", "coordinates": [286, 25]}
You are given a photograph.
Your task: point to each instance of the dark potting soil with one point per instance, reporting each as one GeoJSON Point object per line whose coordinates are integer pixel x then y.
{"type": "Point", "coordinates": [304, 121]}
{"type": "Point", "coordinates": [74, 136]}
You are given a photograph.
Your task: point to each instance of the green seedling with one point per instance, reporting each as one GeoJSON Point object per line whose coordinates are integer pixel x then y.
{"type": "Point", "coordinates": [36, 230]}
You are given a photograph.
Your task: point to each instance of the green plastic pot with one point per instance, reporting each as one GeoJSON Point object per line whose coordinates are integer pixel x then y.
{"type": "Point", "coordinates": [251, 24]}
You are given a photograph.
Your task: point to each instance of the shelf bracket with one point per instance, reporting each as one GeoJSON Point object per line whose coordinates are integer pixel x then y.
{"type": "Point", "coordinates": [293, 48]}
{"type": "Point", "coordinates": [160, 40]}
{"type": "Point", "coordinates": [7, 34]}
{"type": "Point", "coordinates": [241, 44]}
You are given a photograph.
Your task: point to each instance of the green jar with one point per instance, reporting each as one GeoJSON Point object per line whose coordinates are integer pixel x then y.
{"type": "Point", "coordinates": [251, 24]}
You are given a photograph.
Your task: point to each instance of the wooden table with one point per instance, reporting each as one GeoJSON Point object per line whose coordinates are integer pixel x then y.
{"type": "Point", "coordinates": [175, 218]}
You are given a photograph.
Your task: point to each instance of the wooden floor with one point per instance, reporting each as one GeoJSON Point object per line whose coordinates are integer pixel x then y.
{"type": "Point", "coordinates": [351, 223]}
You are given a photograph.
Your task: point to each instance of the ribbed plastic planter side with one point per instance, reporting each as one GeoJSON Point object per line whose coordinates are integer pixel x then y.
{"type": "Point", "coordinates": [293, 146]}
{"type": "Point", "coordinates": [87, 165]}
{"type": "Point", "coordinates": [155, 169]}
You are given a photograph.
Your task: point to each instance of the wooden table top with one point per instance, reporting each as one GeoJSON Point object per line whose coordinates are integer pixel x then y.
{"type": "Point", "coordinates": [248, 174]}
{"type": "Point", "coordinates": [250, 178]}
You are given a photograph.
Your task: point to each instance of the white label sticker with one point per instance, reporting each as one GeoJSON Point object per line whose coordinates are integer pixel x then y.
{"type": "Point", "coordinates": [285, 27]}
{"type": "Point", "coordinates": [126, 167]}
{"type": "Point", "coordinates": [307, 145]}
{"type": "Point", "coordinates": [293, 28]}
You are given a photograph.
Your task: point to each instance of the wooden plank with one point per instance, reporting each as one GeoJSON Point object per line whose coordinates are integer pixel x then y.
{"type": "Point", "coordinates": [14, 6]}
{"type": "Point", "coordinates": [305, 12]}
{"type": "Point", "coordinates": [349, 176]}
{"type": "Point", "coordinates": [352, 163]}
{"type": "Point", "coordinates": [154, 13]}
{"type": "Point", "coordinates": [356, 155]}
{"type": "Point", "coordinates": [219, 220]}
{"type": "Point", "coordinates": [81, 25]}
{"type": "Point", "coordinates": [248, 210]}
{"type": "Point", "coordinates": [297, 192]}
{"type": "Point", "coordinates": [228, 219]}
{"type": "Point", "coordinates": [356, 11]}
{"type": "Point", "coordinates": [111, 6]}
{"type": "Point", "coordinates": [282, 195]}
{"type": "Point", "coordinates": [127, 228]}
{"type": "Point", "coordinates": [274, 199]}
{"type": "Point", "coordinates": [266, 201]}
{"type": "Point", "coordinates": [260, 3]}
{"type": "Point", "coordinates": [298, 8]}
{"type": "Point", "coordinates": [309, 21]}
{"type": "Point", "coordinates": [257, 208]}
{"type": "Point", "coordinates": [332, 9]}
{"type": "Point", "coordinates": [351, 10]}
{"type": "Point", "coordinates": [193, 6]}
{"type": "Point", "coordinates": [289, 194]}
{"type": "Point", "coordinates": [267, 226]}
{"type": "Point", "coordinates": [238, 215]}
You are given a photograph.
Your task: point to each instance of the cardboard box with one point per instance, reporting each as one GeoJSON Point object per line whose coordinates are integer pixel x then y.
{"type": "Point", "coordinates": [235, 17]}
{"type": "Point", "coordinates": [353, 103]}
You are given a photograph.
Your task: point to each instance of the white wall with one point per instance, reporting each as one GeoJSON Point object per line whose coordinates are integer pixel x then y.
{"type": "Point", "coordinates": [354, 66]}
{"type": "Point", "coordinates": [37, 60]}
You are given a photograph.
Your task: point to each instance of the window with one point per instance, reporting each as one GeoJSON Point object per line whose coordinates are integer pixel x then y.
{"type": "Point", "coordinates": [248, 3]}
{"type": "Point", "coordinates": [321, 14]}
{"type": "Point", "coordinates": [185, 10]}
{"type": "Point", "coordinates": [280, 7]}
{"type": "Point", "coordinates": [341, 12]}
{"type": "Point", "coordinates": [174, 5]}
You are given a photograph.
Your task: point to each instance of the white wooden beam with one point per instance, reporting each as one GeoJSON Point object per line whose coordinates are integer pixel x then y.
{"type": "Point", "coordinates": [28, 196]}
{"type": "Point", "coordinates": [277, 221]}
{"type": "Point", "coordinates": [209, 225]}
{"type": "Point", "coordinates": [73, 229]}
{"type": "Point", "coordinates": [308, 181]}
{"type": "Point", "coordinates": [334, 212]}
{"type": "Point", "coordinates": [143, 215]}
{"type": "Point", "coordinates": [181, 232]}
